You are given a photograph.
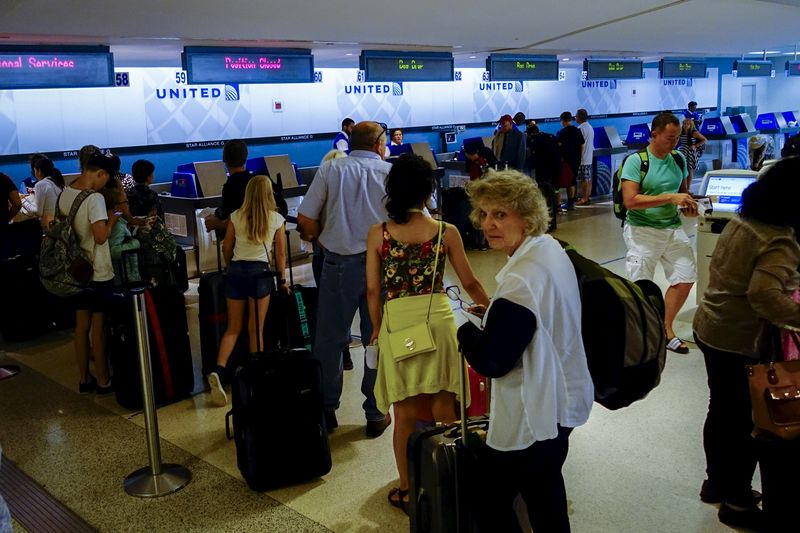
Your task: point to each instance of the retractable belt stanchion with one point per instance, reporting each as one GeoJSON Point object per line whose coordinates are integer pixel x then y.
{"type": "Point", "coordinates": [157, 479]}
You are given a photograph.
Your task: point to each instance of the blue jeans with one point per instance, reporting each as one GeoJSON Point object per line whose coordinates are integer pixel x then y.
{"type": "Point", "coordinates": [342, 292]}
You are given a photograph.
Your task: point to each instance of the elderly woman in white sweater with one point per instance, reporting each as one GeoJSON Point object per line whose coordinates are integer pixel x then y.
{"type": "Point", "coordinates": [531, 346]}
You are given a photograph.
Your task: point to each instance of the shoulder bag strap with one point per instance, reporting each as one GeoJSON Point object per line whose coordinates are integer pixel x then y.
{"type": "Point", "coordinates": [84, 194]}
{"type": "Point", "coordinates": [435, 267]}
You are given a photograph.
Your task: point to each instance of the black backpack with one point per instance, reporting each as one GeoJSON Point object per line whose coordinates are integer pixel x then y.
{"type": "Point", "coordinates": [620, 211]}
{"type": "Point", "coordinates": [623, 332]}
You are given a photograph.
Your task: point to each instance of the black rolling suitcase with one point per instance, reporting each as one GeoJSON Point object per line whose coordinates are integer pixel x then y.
{"type": "Point", "coordinates": [278, 418]}
{"type": "Point", "coordinates": [24, 312]}
{"type": "Point", "coordinates": [170, 351]}
{"type": "Point", "coordinates": [440, 467]}
{"type": "Point", "coordinates": [213, 318]}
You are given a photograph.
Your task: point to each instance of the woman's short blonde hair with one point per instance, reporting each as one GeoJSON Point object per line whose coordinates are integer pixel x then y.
{"type": "Point", "coordinates": [513, 190]}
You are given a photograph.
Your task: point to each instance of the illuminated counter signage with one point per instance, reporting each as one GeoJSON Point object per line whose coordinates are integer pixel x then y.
{"type": "Point", "coordinates": [670, 68]}
{"type": "Point", "coordinates": [55, 67]}
{"type": "Point", "coordinates": [209, 64]}
{"type": "Point", "coordinates": [379, 65]}
{"type": "Point", "coordinates": [614, 69]}
{"type": "Point", "coordinates": [509, 67]}
{"type": "Point", "coordinates": [748, 68]}
{"type": "Point", "coordinates": [793, 68]}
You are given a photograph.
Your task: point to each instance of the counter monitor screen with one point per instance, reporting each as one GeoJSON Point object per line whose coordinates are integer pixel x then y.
{"type": "Point", "coordinates": [727, 191]}
{"type": "Point", "coordinates": [54, 67]}
{"type": "Point", "coordinates": [682, 69]}
{"type": "Point", "coordinates": [504, 67]}
{"type": "Point", "coordinates": [247, 65]}
{"type": "Point", "coordinates": [793, 68]}
{"type": "Point", "coordinates": [746, 68]}
{"type": "Point", "coordinates": [613, 69]}
{"type": "Point", "coordinates": [406, 66]}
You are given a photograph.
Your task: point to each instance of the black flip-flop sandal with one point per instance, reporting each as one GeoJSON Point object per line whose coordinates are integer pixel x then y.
{"type": "Point", "coordinates": [400, 502]}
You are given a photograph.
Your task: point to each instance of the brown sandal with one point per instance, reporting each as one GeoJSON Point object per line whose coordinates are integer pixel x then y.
{"type": "Point", "coordinates": [400, 502]}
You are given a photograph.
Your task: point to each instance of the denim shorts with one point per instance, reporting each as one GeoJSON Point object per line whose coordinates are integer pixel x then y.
{"type": "Point", "coordinates": [242, 281]}
{"type": "Point", "coordinates": [95, 298]}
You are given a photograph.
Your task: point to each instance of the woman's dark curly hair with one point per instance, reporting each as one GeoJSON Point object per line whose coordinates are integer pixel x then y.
{"type": "Point", "coordinates": [409, 184]}
{"type": "Point", "coordinates": [773, 198]}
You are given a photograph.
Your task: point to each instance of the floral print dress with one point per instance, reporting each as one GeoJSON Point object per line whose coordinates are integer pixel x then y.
{"type": "Point", "coordinates": [407, 268]}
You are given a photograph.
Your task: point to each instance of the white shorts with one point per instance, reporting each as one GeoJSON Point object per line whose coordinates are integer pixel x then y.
{"type": "Point", "coordinates": [647, 246]}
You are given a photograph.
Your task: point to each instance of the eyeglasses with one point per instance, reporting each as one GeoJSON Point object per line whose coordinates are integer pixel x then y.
{"type": "Point", "coordinates": [384, 127]}
{"type": "Point", "coordinates": [454, 293]}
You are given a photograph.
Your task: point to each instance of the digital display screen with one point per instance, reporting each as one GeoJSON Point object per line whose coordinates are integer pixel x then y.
{"type": "Point", "coordinates": [726, 191]}
{"type": "Point", "coordinates": [682, 69]}
{"type": "Point", "coordinates": [793, 68]}
{"type": "Point", "coordinates": [512, 68]}
{"type": "Point", "coordinates": [55, 67]}
{"type": "Point", "coordinates": [211, 65]}
{"type": "Point", "coordinates": [406, 66]}
{"type": "Point", "coordinates": [752, 69]}
{"type": "Point", "coordinates": [613, 70]}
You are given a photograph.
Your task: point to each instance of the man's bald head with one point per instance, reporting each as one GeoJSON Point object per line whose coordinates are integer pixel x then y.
{"type": "Point", "coordinates": [367, 135]}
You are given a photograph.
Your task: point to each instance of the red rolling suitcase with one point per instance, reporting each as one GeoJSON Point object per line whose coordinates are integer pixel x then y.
{"type": "Point", "coordinates": [480, 393]}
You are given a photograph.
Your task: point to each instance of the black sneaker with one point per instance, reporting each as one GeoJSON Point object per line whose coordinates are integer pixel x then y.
{"type": "Point", "coordinates": [375, 428]}
{"type": "Point", "coordinates": [751, 518]}
{"type": "Point", "coordinates": [347, 361]}
{"type": "Point", "coordinates": [108, 389]}
{"type": "Point", "coordinates": [708, 494]}
{"type": "Point", "coordinates": [89, 386]}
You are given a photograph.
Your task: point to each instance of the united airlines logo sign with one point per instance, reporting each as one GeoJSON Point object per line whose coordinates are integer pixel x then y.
{"type": "Point", "coordinates": [678, 83]}
{"type": "Point", "coordinates": [599, 84]}
{"type": "Point", "coordinates": [501, 86]}
{"type": "Point", "coordinates": [232, 92]}
{"type": "Point", "coordinates": [394, 88]}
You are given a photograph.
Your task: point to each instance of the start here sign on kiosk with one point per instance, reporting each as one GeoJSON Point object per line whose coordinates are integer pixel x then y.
{"type": "Point", "coordinates": [55, 67]}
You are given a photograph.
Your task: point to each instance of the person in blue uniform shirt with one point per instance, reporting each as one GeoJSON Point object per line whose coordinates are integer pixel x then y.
{"type": "Point", "coordinates": [342, 140]}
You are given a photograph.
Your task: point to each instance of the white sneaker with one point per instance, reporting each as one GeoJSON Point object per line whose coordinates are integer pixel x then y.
{"type": "Point", "coordinates": [218, 396]}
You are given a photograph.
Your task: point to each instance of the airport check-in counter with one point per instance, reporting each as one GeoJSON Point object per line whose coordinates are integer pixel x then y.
{"type": "Point", "coordinates": [777, 127]}
{"type": "Point", "coordinates": [724, 189]}
{"type": "Point", "coordinates": [609, 152]}
{"type": "Point", "coordinates": [638, 137]}
{"type": "Point", "coordinates": [728, 137]}
{"type": "Point", "coordinates": [196, 192]}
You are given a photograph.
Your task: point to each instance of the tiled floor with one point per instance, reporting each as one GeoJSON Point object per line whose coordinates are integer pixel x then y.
{"type": "Point", "coordinates": [634, 470]}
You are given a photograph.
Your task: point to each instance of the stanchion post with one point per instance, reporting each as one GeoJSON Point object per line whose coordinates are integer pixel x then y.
{"type": "Point", "coordinates": [157, 479]}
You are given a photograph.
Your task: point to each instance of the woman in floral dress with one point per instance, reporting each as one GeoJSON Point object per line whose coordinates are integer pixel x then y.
{"type": "Point", "coordinates": [401, 255]}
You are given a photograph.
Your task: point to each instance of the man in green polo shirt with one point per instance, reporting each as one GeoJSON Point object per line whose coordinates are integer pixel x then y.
{"type": "Point", "coordinates": [653, 231]}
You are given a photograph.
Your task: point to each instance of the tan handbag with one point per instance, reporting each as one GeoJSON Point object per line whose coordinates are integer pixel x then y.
{"type": "Point", "coordinates": [775, 395]}
{"type": "Point", "coordinates": [417, 339]}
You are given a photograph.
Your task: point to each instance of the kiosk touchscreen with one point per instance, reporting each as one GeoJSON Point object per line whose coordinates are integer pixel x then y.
{"type": "Point", "coordinates": [638, 136]}
{"type": "Point", "coordinates": [724, 188]}
{"type": "Point", "coordinates": [209, 177]}
{"type": "Point", "coordinates": [425, 151]}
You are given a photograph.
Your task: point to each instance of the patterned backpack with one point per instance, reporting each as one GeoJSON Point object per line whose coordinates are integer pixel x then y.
{"type": "Point", "coordinates": [64, 267]}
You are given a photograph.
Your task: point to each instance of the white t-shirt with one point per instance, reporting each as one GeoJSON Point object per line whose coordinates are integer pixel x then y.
{"type": "Point", "coordinates": [46, 193]}
{"type": "Point", "coordinates": [248, 250]}
{"type": "Point", "coordinates": [551, 384]}
{"type": "Point", "coordinates": [588, 143]}
{"type": "Point", "coordinates": [91, 210]}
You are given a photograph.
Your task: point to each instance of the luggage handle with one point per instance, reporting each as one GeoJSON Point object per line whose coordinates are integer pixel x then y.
{"type": "Point", "coordinates": [228, 432]}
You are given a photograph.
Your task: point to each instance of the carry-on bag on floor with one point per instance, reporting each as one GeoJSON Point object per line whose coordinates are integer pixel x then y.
{"type": "Point", "coordinates": [278, 419]}
{"type": "Point", "coordinates": [25, 307]}
{"type": "Point", "coordinates": [213, 318]}
{"type": "Point", "coordinates": [299, 309]}
{"type": "Point", "coordinates": [170, 351]}
{"type": "Point", "coordinates": [439, 469]}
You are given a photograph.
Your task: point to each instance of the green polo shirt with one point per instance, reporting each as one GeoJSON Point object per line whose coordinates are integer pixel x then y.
{"type": "Point", "coordinates": [664, 176]}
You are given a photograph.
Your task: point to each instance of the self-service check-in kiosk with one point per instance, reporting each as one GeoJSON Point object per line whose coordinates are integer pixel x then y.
{"type": "Point", "coordinates": [196, 192]}
{"type": "Point", "coordinates": [729, 136]}
{"type": "Point", "coordinates": [609, 153]}
{"type": "Point", "coordinates": [777, 127]}
{"type": "Point", "coordinates": [724, 189]}
{"type": "Point", "coordinates": [638, 137]}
